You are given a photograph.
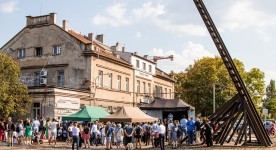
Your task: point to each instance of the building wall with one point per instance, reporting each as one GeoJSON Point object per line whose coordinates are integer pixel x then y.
{"type": "Point", "coordinates": [165, 84]}
{"type": "Point", "coordinates": [107, 95]}
{"type": "Point", "coordinates": [75, 66]}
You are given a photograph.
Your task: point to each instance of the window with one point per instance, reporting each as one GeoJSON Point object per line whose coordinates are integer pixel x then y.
{"type": "Point", "coordinates": [38, 51]}
{"type": "Point", "coordinates": [36, 110]}
{"type": "Point", "coordinates": [144, 66]}
{"type": "Point", "coordinates": [37, 79]}
{"type": "Point", "coordinates": [100, 78]}
{"type": "Point", "coordinates": [161, 92]}
{"type": "Point", "coordinates": [21, 53]}
{"type": "Point", "coordinates": [119, 82]}
{"type": "Point", "coordinates": [165, 93]}
{"type": "Point", "coordinates": [149, 88]}
{"type": "Point", "coordinates": [156, 91]}
{"type": "Point", "coordinates": [137, 63]}
{"type": "Point", "coordinates": [127, 84]}
{"type": "Point", "coordinates": [144, 88]}
{"type": "Point", "coordinates": [149, 68]}
{"type": "Point", "coordinates": [170, 92]}
{"type": "Point", "coordinates": [138, 86]}
{"type": "Point", "coordinates": [56, 50]}
{"type": "Point", "coordinates": [110, 80]}
{"type": "Point", "coordinates": [60, 78]}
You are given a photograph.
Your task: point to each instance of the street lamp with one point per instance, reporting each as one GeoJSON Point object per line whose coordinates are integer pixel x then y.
{"type": "Point", "coordinates": [214, 95]}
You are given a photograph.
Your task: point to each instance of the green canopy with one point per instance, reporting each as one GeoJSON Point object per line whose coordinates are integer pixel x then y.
{"type": "Point", "coordinates": [88, 113]}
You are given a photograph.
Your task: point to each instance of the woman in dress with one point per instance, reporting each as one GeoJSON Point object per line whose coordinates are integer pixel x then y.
{"type": "Point", "coordinates": [174, 134]}
{"type": "Point", "coordinates": [28, 130]}
{"type": "Point", "coordinates": [86, 136]}
{"type": "Point", "coordinates": [47, 128]}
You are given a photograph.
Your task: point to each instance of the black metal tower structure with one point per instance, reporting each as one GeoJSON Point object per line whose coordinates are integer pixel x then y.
{"type": "Point", "coordinates": [240, 107]}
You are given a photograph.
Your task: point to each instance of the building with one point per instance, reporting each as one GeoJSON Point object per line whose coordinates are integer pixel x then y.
{"type": "Point", "coordinates": [65, 70]}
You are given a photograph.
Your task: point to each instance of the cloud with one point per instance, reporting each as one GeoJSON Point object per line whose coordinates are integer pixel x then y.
{"type": "Point", "coordinates": [266, 37]}
{"type": "Point", "coordinates": [138, 35]}
{"type": "Point", "coordinates": [243, 14]}
{"type": "Point", "coordinates": [155, 15]}
{"type": "Point", "coordinates": [114, 15]}
{"type": "Point", "coordinates": [182, 59]}
{"type": "Point", "coordinates": [9, 7]}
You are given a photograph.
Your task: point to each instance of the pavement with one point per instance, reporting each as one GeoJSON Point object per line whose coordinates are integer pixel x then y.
{"type": "Point", "coordinates": [64, 145]}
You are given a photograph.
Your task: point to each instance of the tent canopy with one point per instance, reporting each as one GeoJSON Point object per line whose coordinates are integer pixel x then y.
{"type": "Point", "coordinates": [88, 113]}
{"type": "Point", "coordinates": [128, 114]}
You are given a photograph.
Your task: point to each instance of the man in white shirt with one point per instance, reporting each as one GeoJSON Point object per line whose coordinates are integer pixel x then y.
{"type": "Point", "coordinates": [53, 134]}
{"type": "Point", "coordinates": [94, 131]}
{"type": "Point", "coordinates": [35, 125]}
{"type": "Point", "coordinates": [75, 135]}
{"type": "Point", "coordinates": [162, 131]}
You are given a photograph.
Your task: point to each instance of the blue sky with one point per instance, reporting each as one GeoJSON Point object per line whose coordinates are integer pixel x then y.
{"type": "Point", "coordinates": [162, 27]}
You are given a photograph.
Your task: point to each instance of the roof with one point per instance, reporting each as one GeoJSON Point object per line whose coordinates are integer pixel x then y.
{"type": "Point", "coordinates": [79, 37]}
{"type": "Point", "coordinates": [129, 114]}
{"type": "Point", "coordinates": [163, 74]}
{"type": "Point", "coordinates": [88, 113]}
{"type": "Point", "coordinates": [167, 103]}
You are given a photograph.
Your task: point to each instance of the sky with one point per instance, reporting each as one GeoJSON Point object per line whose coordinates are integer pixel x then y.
{"type": "Point", "coordinates": [162, 27]}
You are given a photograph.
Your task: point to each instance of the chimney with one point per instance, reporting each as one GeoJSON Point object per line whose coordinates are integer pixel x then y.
{"type": "Point", "coordinates": [146, 56]}
{"type": "Point", "coordinates": [100, 38]}
{"type": "Point", "coordinates": [118, 46]}
{"type": "Point", "coordinates": [123, 49]}
{"type": "Point", "coordinates": [65, 25]}
{"type": "Point", "coordinates": [53, 17]}
{"type": "Point", "coordinates": [90, 36]}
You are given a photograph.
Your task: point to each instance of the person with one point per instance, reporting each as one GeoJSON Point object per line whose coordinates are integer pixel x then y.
{"type": "Point", "coordinates": [183, 125]}
{"type": "Point", "coordinates": [154, 134]}
{"type": "Point", "coordinates": [47, 128]}
{"type": "Point", "coordinates": [53, 134]}
{"type": "Point", "coordinates": [190, 130]}
{"type": "Point", "coordinates": [197, 130]}
{"type": "Point", "coordinates": [20, 134]}
{"type": "Point", "coordinates": [86, 136]}
{"type": "Point", "coordinates": [119, 136]}
{"type": "Point", "coordinates": [162, 133]}
{"type": "Point", "coordinates": [128, 133]}
{"type": "Point", "coordinates": [69, 137]}
{"type": "Point", "coordinates": [80, 134]}
{"type": "Point", "coordinates": [28, 134]}
{"type": "Point", "coordinates": [35, 125]}
{"type": "Point", "coordinates": [2, 130]}
{"type": "Point", "coordinates": [146, 131]}
{"type": "Point", "coordinates": [94, 131]}
{"type": "Point", "coordinates": [108, 132]}
{"type": "Point", "coordinates": [103, 138]}
{"type": "Point", "coordinates": [174, 130]}
{"type": "Point", "coordinates": [170, 125]}
{"type": "Point", "coordinates": [138, 131]}
{"type": "Point", "coordinates": [75, 136]}
{"type": "Point", "coordinates": [10, 127]}
{"type": "Point", "coordinates": [208, 132]}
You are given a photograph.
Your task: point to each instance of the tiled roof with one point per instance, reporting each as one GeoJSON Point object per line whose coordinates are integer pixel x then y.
{"type": "Point", "coordinates": [162, 74]}
{"type": "Point", "coordinates": [79, 37]}
{"type": "Point", "coordinates": [110, 55]}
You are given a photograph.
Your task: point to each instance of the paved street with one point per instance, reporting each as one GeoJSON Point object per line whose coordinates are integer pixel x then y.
{"type": "Point", "coordinates": [63, 145]}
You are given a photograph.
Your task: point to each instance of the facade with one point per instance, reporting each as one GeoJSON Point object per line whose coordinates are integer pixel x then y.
{"type": "Point", "coordinates": [65, 70]}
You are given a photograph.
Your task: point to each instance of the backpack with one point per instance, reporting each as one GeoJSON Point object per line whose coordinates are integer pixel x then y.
{"type": "Point", "coordinates": [17, 129]}
{"type": "Point", "coordinates": [138, 131]}
{"type": "Point", "coordinates": [86, 130]}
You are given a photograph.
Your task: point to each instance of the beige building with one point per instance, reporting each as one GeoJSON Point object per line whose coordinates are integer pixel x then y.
{"type": "Point", "coordinates": [65, 70]}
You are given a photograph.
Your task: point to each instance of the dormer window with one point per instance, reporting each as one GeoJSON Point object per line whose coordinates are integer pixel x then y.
{"type": "Point", "coordinates": [38, 51]}
{"type": "Point", "coordinates": [21, 53]}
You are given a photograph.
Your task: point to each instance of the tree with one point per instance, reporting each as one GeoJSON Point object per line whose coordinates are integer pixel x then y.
{"type": "Point", "coordinates": [270, 90]}
{"type": "Point", "coordinates": [271, 106]}
{"type": "Point", "coordinates": [14, 94]}
{"type": "Point", "coordinates": [196, 83]}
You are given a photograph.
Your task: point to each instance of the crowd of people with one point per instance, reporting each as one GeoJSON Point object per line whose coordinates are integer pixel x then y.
{"type": "Point", "coordinates": [110, 134]}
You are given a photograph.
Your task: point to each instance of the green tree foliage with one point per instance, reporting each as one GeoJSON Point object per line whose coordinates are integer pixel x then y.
{"type": "Point", "coordinates": [14, 98]}
{"type": "Point", "coordinates": [195, 85]}
{"type": "Point", "coordinates": [271, 90]}
{"type": "Point", "coordinates": [270, 100]}
{"type": "Point", "coordinates": [271, 106]}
